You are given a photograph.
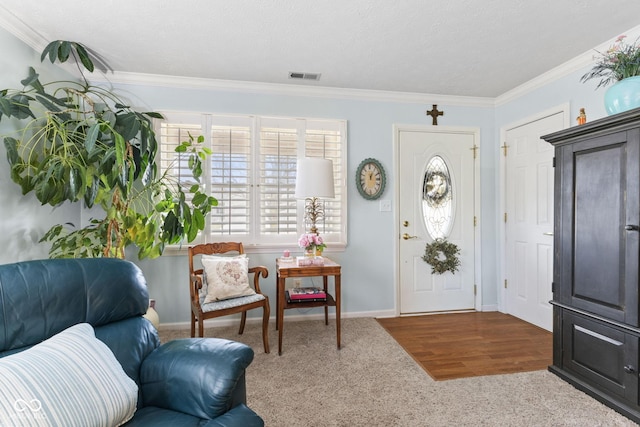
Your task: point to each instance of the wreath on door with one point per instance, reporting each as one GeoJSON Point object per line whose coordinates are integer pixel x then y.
{"type": "Point", "coordinates": [442, 256]}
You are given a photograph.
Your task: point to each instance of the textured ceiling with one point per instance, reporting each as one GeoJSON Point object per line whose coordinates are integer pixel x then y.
{"type": "Point", "coordinates": [447, 47]}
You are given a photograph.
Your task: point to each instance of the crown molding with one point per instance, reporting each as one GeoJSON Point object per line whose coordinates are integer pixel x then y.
{"type": "Point", "coordinates": [21, 31]}
{"type": "Point", "coordinates": [37, 42]}
{"type": "Point", "coordinates": [289, 89]}
{"type": "Point", "coordinates": [579, 62]}
{"type": "Point", "coordinates": [546, 78]}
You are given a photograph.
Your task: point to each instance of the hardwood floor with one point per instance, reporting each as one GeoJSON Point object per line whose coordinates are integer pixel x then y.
{"type": "Point", "coordinates": [462, 345]}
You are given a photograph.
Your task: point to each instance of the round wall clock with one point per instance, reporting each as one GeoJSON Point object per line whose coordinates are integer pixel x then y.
{"type": "Point", "coordinates": [370, 179]}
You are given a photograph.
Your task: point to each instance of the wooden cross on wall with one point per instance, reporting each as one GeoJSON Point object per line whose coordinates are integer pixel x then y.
{"type": "Point", "coordinates": [434, 114]}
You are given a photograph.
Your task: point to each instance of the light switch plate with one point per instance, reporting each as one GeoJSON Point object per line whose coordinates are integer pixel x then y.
{"type": "Point", "coordinates": [385, 205]}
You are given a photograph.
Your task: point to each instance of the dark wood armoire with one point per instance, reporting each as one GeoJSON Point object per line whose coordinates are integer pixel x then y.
{"type": "Point", "coordinates": [596, 329]}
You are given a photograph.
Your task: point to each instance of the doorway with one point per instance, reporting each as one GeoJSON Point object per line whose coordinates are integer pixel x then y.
{"type": "Point", "coordinates": [528, 179]}
{"type": "Point", "coordinates": [437, 199]}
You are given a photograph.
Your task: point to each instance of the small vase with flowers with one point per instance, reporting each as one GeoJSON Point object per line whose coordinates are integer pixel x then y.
{"type": "Point", "coordinates": [312, 244]}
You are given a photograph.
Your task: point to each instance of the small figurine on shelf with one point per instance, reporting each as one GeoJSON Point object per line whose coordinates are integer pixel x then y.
{"type": "Point", "coordinates": [286, 256]}
{"type": "Point", "coordinates": [582, 118]}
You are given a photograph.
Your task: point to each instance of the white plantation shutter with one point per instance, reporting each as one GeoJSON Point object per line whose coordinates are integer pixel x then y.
{"type": "Point", "coordinates": [252, 174]}
{"type": "Point", "coordinates": [231, 180]}
{"type": "Point", "coordinates": [176, 164]}
{"type": "Point", "coordinates": [327, 143]}
{"type": "Point", "coordinates": [277, 166]}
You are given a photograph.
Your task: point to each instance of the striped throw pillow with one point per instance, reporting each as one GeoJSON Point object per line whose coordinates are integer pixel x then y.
{"type": "Point", "coordinates": [71, 379]}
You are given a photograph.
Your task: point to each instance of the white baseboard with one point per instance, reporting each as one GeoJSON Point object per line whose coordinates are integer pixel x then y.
{"type": "Point", "coordinates": [289, 317]}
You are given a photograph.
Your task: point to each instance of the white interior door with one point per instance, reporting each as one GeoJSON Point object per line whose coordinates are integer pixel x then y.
{"type": "Point", "coordinates": [529, 220]}
{"type": "Point", "coordinates": [420, 290]}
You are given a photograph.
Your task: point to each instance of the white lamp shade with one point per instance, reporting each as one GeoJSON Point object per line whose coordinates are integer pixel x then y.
{"type": "Point", "coordinates": [314, 178]}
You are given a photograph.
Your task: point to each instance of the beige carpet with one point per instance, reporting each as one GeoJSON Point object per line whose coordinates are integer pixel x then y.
{"type": "Point", "coordinates": [372, 381]}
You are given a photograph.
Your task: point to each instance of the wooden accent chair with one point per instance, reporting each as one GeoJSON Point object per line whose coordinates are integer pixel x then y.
{"type": "Point", "coordinates": [200, 311]}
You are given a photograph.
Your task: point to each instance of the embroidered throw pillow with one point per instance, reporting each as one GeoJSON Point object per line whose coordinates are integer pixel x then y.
{"type": "Point", "coordinates": [71, 379]}
{"type": "Point", "coordinates": [226, 277]}
{"type": "Point", "coordinates": [202, 294]}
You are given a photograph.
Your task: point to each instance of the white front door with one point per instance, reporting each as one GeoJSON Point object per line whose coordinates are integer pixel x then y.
{"type": "Point", "coordinates": [529, 220]}
{"type": "Point", "coordinates": [436, 200]}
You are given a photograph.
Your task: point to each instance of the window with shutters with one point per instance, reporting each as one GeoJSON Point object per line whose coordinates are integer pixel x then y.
{"type": "Point", "coordinates": [252, 174]}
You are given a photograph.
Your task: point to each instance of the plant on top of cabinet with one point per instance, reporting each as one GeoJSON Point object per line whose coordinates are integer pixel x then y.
{"type": "Point", "coordinates": [620, 65]}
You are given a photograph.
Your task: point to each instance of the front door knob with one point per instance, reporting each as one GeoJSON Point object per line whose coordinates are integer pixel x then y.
{"type": "Point", "coordinates": [406, 236]}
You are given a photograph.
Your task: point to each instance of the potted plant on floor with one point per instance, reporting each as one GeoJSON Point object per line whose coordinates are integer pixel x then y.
{"type": "Point", "coordinates": [82, 142]}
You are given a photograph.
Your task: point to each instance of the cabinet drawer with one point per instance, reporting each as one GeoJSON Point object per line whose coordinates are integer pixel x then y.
{"type": "Point", "coordinates": [601, 354]}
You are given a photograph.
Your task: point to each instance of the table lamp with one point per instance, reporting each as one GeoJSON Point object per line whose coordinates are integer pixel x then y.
{"type": "Point", "coordinates": [314, 179]}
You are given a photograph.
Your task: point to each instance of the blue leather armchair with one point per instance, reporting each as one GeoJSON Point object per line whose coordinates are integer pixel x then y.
{"type": "Point", "coordinates": [186, 382]}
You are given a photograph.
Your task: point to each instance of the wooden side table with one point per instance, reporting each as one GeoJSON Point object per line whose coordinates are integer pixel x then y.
{"type": "Point", "coordinates": [286, 269]}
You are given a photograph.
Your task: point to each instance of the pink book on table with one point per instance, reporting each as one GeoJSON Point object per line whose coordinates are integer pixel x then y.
{"type": "Point", "coordinates": [306, 293]}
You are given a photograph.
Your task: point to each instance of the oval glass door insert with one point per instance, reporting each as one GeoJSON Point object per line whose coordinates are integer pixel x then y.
{"type": "Point", "coordinates": [437, 199]}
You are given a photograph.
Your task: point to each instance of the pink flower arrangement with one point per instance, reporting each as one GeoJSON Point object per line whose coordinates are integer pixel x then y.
{"type": "Point", "coordinates": [620, 61]}
{"type": "Point", "coordinates": [311, 242]}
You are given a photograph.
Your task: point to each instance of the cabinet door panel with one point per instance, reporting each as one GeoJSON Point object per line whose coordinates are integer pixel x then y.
{"type": "Point", "coordinates": [598, 261]}
{"type": "Point", "coordinates": [599, 353]}
{"type": "Point", "coordinates": [598, 225]}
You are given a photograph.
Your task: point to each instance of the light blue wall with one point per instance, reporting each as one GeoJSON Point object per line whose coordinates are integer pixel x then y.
{"type": "Point", "coordinates": [368, 261]}
{"type": "Point", "coordinates": [565, 89]}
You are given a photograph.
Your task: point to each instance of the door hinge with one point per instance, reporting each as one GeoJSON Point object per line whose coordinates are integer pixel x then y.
{"type": "Point", "coordinates": [505, 283]}
{"type": "Point", "coordinates": [475, 221]}
{"type": "Point", "coordinates": [553, 287]}
{"type": "Point", "coordinates": [553, 162]}
{"type": "Point", "coordinates": [475, 289]}
{"type": "Point", "coordinates": [504, 149]}
{"type": "Point", "coordinates": [475, 150]}
{"type": "Point", "coordinates": [505, 217]}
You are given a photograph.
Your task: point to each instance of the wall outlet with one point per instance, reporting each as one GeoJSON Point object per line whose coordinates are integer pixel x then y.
{"type": "Point", "coordinates": [297, 283]}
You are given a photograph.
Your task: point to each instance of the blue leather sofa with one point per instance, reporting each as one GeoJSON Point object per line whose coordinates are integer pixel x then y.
{"type": "Point", "coordinates": [186, 382]}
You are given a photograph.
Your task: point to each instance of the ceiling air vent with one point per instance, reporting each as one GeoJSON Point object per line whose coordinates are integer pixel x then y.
{"type": "Point", "coordinates": [304, 76]}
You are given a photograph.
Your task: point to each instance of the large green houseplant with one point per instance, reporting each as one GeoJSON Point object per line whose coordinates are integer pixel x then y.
{"type": "Point", "coordinates": [81, 142]}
